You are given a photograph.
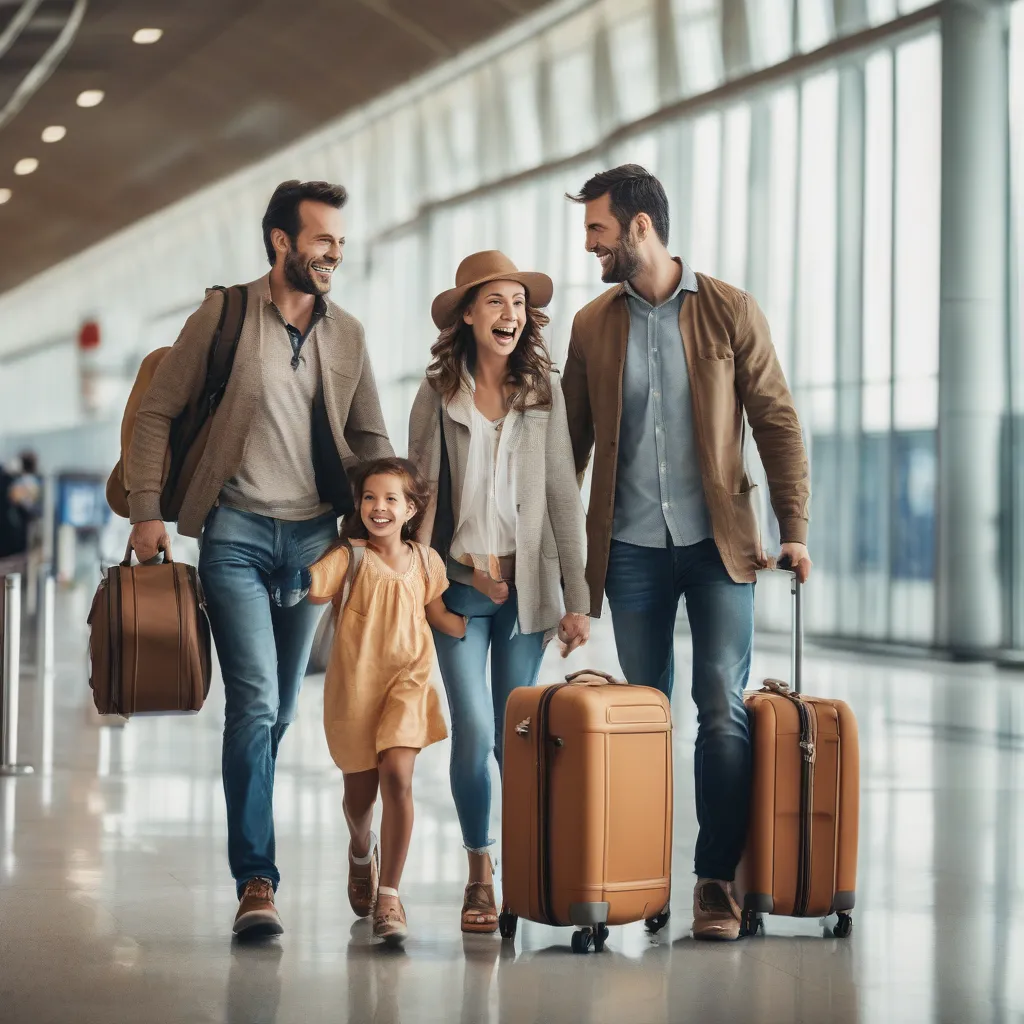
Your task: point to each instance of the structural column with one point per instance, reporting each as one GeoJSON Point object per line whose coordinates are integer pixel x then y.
{"type": "Point", "coordinates": [973, 322]}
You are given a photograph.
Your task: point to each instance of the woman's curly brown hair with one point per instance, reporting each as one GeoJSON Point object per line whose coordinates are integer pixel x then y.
{"type": "Point", "coordinates": [529, 365]}
{"type": "Point", "coordinates": [413, 485]}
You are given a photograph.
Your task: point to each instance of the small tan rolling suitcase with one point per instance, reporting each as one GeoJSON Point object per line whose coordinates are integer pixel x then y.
{"type": "Point", "coordinates": [149, 640]}
{"type": "Point", "coordinates": [586, 806]}
{"type": "Point", "coordinates": [801, 853]}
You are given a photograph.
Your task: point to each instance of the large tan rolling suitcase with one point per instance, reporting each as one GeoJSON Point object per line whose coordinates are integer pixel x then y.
{"type": "Point", "coordinates": [801, 853]}
{"type": "Point", "coordinates": [149, 641]}
{"type": "Point", "coordinates": [586, 806]}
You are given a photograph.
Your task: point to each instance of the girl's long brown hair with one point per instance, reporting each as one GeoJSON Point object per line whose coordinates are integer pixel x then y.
{"type": "Point", "coordinates": [413, 485]}
{"type": "Point", "coordinates": [529, 365]}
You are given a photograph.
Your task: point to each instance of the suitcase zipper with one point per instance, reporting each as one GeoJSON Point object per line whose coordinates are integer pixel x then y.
{"type": "Point", "coordinates": [807, 736]}
{"type": "Point", "coordinates": [543, 794]}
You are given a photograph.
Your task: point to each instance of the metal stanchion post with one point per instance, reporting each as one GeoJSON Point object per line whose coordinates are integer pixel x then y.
{"type": "Point", "coordinates": [11, 679]}
{"type": "Point", "coordinates": [45, 622]}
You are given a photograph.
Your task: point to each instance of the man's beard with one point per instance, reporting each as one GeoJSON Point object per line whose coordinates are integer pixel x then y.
{"type": "Point", "coordinates": [626, 262]}
{"type": "Point", "coordinates": [298, 275]}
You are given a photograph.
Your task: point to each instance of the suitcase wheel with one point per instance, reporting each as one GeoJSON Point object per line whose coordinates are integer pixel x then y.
{"type": "Point", "coordinates": [844, 927]}
{"type": "Point", "coordinates": [590, 938]}
{"type": "Point", "coordinates": [656, 923]}
{"type": "Point", "coordinates": [507, 923]}
{"type": "Point", "coordinates": [751, 924]}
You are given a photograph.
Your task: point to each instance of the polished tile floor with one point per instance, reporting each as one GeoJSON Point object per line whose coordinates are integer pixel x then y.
{"type": "Point", "coordinates": [116, 906]}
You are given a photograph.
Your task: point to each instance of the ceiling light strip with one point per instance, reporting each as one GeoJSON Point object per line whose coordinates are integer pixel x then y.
{"type": "Point", "coordinates": [46, 65]}
{"type": "Point", "coordinates": [17, 24]}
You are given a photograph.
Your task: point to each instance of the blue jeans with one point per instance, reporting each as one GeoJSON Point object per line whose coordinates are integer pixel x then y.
{"type": "Point", "coordinates": [644, 586]}
{"type": "Point", "coordinates": [263, 651]}
{"type": "Point", "coordinates": [478, 718]}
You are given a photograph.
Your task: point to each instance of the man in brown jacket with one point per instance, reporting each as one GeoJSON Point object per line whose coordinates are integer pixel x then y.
{"type": "Point", "coordinates": [661, 369]}
{"type": "Point", "coordinates": [264, 496]}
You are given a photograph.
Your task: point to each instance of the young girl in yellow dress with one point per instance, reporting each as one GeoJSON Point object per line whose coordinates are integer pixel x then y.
{"type": "Point", "coordinates": [380, 708]}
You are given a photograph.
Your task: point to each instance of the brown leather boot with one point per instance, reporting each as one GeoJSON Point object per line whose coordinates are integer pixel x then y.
{"type": "Point", "coordinates": [716, 914]}
{"type": "Point", "coordinates": [257, 916]}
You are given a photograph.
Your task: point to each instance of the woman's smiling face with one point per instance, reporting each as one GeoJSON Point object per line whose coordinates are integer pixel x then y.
{"type": "Point", "coordinates": [498, 317]}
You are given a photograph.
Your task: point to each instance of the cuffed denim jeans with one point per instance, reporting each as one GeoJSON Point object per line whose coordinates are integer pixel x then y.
{"type": "Point", "coordinates": [644, 586]}
{"type": "Point", "coordinates": [478, 717]}
{"type": "Point", "coordinates": [263, 651]}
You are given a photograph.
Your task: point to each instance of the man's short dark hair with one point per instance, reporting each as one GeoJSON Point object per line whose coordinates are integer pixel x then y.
{"type": "Point", "coordinates": [632, 190]}
{"type": "Point", "coordinates": [283, 209]}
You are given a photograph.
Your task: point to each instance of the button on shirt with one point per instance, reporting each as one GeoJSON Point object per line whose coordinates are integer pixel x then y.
{"type": "Point", "coordinates": [659, 493]}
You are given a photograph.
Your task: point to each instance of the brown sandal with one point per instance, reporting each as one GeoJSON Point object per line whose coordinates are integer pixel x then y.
{"type": "Point", "coordinates": [389, 923]}
{"type": "Point", "coordinates": [362, 889]}
{"type": "Point", "coordinates": [479, 910]}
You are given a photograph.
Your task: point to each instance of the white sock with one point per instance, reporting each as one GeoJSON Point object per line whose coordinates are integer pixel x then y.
{"type": "Point", "coordinates": [386, 890]}
{"type": "Point", "coordinates": [363, 861]}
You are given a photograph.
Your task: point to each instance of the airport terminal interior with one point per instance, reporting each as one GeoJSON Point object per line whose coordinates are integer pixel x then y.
{"type": "Point", "coordinates": [855, 165]}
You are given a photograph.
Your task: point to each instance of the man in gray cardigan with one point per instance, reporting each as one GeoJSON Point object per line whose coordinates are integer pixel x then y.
{"type": "Point", "coordinates": [254, 497]}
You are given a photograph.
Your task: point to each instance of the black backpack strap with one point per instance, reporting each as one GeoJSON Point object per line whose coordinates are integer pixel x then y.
{"type": "Point", "coordinates": [444, 515]}
{"type": "Point", "coordinates": [224, 344]}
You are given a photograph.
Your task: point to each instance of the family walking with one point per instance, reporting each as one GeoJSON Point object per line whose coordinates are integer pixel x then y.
{"type": "Point", "coordinates": [475, 548]}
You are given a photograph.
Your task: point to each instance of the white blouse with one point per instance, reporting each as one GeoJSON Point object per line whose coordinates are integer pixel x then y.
{"type": "Point", "coordinates": [486, 530]}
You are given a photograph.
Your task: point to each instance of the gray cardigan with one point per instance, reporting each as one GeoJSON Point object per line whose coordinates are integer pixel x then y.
{"type": "Point", "coordinates": [550, 521]}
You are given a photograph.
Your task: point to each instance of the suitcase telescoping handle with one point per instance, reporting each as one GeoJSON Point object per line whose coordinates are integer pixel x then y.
{"type": "Point", "coordinates": [796, 640]}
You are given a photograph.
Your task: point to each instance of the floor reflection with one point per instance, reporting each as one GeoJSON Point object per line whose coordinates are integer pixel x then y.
{"type": "Point", "coordinates": [116, 905]}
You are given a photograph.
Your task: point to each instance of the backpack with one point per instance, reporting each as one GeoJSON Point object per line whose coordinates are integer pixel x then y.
{"type": "Point", "coordinates": [191, 427]}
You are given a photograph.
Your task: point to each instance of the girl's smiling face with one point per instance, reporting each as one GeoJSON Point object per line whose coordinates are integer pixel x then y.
{"type": "Point", "coordinates": [385, 508]}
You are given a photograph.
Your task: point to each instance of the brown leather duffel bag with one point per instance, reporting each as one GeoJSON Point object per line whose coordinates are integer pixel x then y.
{"type": "Point", "coordinates": [149, 642]}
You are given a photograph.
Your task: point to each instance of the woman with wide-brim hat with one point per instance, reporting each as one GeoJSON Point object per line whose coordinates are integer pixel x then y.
{"type": "Point", "coordinates": [488, 430]}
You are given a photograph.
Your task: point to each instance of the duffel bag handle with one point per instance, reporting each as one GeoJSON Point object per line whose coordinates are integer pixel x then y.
{"type": "Point", "coordinates": [128, 552]}
{"type": "Point", "coordinates": [592, 677]}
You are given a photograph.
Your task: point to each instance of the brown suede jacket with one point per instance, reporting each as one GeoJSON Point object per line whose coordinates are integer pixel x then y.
{"type": "Point", "coordinates": [733, 369]}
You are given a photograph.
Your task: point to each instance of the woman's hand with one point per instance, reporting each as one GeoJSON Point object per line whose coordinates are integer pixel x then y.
{"type": "Point", "coordinates": [573, 632]}
{"type": "Point", "coordinates": [494, 590]}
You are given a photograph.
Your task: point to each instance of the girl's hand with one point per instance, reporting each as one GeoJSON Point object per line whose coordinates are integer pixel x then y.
{"type": "Point", "coordinates": [289, 585]}
{"type": "Point", "coordinates": [494, 590]}
{"type": "Point", "coordinates": [445, 621]}
{"type": "Point", "coordinates": [573, 632]}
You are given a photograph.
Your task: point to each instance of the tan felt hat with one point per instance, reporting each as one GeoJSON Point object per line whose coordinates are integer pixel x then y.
{"type": "Point", "coordinates": [480, 268]}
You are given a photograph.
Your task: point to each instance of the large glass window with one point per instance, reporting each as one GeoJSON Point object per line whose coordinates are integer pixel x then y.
{"type": "Point", "coordinates": [1014, 439]}
{"type": "Point", "coordinates": [871, 559]}
{"type": "Point", "coordinates": [630, 24]}
{"type": "Point", "coordinates": [916, 223]}
{"type": "Point", "coordinates": [777, 301]}
{"type": "Point", "coordinates": [705, 195]}
{"type": "Point", "coordinates": [735, 195]}
{"type": "Point", "coordinates": [699, 44]}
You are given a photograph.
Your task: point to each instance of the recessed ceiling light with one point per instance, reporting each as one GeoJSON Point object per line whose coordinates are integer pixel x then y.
{"type": "Point", "coordinates": [145, 36]}
{"type": "Point", "coordinates": [5, 195]}
{"type": "Point", "coordinates": [90, 98]}
{"type": "Point", "coordinates": [54, 133]}
{"type": "Point", "coordinates": [26, 166]}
